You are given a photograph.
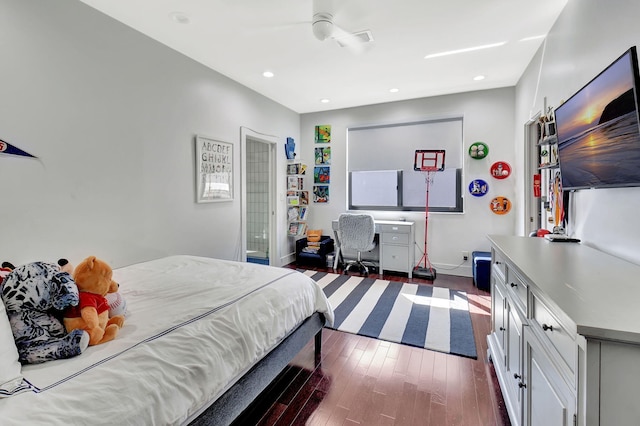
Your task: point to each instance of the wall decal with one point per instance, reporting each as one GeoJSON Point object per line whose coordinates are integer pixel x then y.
{"type": "Point", "coordinates": [478, 187]}
{"type": "Point", "coordinates": [478, 150]}
{"type": "Point", "coordinates": [500, 205]}
{"type": "Point", "coordinates": [500, 170]}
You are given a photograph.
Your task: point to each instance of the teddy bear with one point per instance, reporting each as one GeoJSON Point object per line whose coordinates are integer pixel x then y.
{"type": "Point", "coordinates": [35, 295]}
{"type": "Point", "coordinates": [117, 303]}
{"type": "Point", "coordinates": [94, 280]}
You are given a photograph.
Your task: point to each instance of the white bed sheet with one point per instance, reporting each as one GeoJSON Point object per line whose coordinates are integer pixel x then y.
{"type": "Point", "coordinates": [168, 361]}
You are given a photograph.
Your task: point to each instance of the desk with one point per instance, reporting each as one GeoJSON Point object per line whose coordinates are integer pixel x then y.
{"type": "Point", "coordinates": [395, 245]}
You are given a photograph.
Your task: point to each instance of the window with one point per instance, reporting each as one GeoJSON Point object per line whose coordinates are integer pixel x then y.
{"type": "Point", "coordinates": [380, 166]}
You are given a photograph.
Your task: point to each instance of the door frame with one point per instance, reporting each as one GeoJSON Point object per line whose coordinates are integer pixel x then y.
{"type": "Point", "coordinates": [246, 133]}
{"type": "Point", "coordinates": [532, 205]}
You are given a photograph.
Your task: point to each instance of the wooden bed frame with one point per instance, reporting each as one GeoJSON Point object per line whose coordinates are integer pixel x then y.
{"type": "Point", "coordinates": [233, 402]}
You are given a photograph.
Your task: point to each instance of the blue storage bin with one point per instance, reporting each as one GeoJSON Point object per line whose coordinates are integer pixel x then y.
{"type": "Point", "coordinates": [481, 261]}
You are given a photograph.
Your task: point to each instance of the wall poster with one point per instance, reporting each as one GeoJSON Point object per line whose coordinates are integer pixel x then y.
{"type": "Point", "coordinates": [320, 193]}
{"type": "Point", "coordinates": [214, 170]}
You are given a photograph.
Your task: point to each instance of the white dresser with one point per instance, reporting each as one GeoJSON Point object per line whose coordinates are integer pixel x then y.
{"type": "Point", "coordinates": [565, 339]}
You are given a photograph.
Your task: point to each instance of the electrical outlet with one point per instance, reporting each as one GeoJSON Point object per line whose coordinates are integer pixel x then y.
{"type": "Point", "coordinates": [465, 255]}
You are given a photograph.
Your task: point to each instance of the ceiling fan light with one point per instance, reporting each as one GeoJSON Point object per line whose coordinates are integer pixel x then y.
{"type": "Point", "coordinates": [322, 26]}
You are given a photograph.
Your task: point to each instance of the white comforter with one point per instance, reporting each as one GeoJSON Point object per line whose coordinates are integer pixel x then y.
{"type": "Point", "coordinates": [194, 326]}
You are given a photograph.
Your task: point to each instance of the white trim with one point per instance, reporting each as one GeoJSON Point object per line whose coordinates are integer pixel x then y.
{"type": "Point", "coordinates": [246, 133]}
{"type": "Point", "coordinates": [531, 162]}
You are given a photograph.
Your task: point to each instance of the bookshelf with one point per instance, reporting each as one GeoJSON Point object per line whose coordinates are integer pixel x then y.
{"type": "Point", "coordinates": [297, 199]}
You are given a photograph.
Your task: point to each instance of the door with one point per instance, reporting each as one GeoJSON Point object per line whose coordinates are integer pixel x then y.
{"type": "Point", "coordinates": [550, 400]}
{"type": "Point", "coordinates": [259, 238]}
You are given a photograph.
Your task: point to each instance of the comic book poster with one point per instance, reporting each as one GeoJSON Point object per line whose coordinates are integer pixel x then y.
{"type": "Point", "coordinates": [322, 175]}
{"type": "Point", "coordinates": [320, 193]}
{"type": "Point", "coordinates": [323, 155]}
{"type": "Point", "coordinates": [323, 133]}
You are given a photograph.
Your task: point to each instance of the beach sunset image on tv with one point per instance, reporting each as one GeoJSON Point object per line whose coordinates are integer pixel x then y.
{"type": "Point", "coordinates": [597, 128]}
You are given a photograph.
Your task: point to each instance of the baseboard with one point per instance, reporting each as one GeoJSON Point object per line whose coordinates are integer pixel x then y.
{"type": "Point", "coordinates": [457, 270]}
{"type": "Point", "coordinates": [287, 259]}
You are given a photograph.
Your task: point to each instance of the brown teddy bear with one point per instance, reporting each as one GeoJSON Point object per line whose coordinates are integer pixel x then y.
{"type": "Point", "coordinates": [93, 278]}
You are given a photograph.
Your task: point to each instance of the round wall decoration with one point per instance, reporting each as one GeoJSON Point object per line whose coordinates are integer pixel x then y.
{"type": "Point", "coordinates": [500, 170]}
{"type": "Point", "coordinates": [500, 205]}
{"type": "Point", "coordinates": [478, 150]}
{"type": "Point", "coordinates": [478, 187]}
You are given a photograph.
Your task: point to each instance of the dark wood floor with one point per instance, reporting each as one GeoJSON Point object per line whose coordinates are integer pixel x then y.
{"type": "Point", "coordinates": [364, 381]}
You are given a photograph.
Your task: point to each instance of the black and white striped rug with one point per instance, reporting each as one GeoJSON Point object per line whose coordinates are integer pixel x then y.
{"type": "Point", "coordinates": [425, 316]}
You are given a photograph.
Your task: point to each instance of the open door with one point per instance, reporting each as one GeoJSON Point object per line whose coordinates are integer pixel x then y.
{"type": "Point", "coordinates": [259, 238]}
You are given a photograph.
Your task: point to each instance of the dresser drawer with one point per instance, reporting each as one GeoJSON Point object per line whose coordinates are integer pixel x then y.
{"type": "Point", "coordinates": [558, 333]}
{"type": "Point", "coordinates": [398, 229]}
{"type": "Point", "coordinates": [518, 287]}
{"type": "Point", "coordinates": [395, 238]}
{"type": "Point", "coordinates": [497, 263]}
{"type": "Point", "coordinates": [394, 258]}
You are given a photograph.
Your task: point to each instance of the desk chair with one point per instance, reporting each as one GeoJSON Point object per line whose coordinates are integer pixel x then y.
{"type": "Point", "coordinates": [357, 232]}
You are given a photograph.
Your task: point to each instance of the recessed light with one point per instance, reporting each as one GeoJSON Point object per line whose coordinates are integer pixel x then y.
{"type": "Point", "coordinates": [268, 74]}
{"type": "Point", "coordinates": [394, 90]}
{"type": "Point", "coordinates": [325, 101]}
{"type": "Point", "coordinates": [179, 17]}
{"type": "Point", "coordinates": [538, 37]}
{"type": "Point", "coordinates": [478, 77]}
{"type": "Point", "coordinates": [468, 49]}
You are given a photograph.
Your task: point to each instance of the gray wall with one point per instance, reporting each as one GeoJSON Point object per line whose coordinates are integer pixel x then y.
{"type": "Point", "coordinates": [488, 116]}
{"type": "Point", "coordinates": [112, 115]}
{"type": "Point", "coordinates": [588, 36]}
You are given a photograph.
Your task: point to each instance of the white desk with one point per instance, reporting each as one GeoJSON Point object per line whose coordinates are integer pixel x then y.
{"type": "Point", "coordinates": [395, 245]}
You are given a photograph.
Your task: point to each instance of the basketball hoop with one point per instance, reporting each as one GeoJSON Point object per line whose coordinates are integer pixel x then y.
{"type": "Point", "coordinates": [427, 161]}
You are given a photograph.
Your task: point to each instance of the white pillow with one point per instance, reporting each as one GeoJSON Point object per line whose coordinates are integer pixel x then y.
{"type": "Point", "coordinates": [10, 369]}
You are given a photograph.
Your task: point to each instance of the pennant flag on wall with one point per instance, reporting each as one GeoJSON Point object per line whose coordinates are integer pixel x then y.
{"type": "Point", "coordinates": [7, 148]}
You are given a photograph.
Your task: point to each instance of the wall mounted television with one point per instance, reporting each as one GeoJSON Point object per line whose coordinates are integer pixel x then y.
{"type": "Point", "coordinates": [598, 129]}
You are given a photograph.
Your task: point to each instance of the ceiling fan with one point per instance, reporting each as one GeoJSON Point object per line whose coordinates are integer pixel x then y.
{"type": "Point", "coordinates": [324, 27]}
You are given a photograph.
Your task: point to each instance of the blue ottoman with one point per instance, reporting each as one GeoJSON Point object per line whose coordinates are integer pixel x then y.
{"type": "Point", "coordinates": [481, 261]}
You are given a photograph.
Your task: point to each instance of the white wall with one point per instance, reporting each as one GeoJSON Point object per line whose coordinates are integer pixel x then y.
{"type": "Point", "coordinates": [586, 38]}
{"type": "Point", "coordinates": [112, 116]}
{"type": "Point", "coordinates": [488, 116]}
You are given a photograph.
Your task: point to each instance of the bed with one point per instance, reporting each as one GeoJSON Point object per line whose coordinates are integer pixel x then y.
{"type": "Point", "coordinates": [201, 339]}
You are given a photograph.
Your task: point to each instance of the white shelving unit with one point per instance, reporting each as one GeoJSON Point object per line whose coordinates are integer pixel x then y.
{"type": "Point", "coordinates": [297, 199]}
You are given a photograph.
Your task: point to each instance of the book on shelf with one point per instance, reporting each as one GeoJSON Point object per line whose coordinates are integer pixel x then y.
{"type": "Point", "coordinates": [296, 169]}
{"type": "Point", "coordinates": [304, 197]}
{"type": "Point", "coordinates": [293, 213]}
{"type": "Point", "coordinates": [302, 212]}
{"type": "Point", "coordinates": [295, 183]}
{"type": "Point", "coordinates": [297, 228]}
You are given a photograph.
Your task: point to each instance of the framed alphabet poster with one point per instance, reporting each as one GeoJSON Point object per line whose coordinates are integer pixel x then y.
{"type": "Point", "coordinates": [214, 170]}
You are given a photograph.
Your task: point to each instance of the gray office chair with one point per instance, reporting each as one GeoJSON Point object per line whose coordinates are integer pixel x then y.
{"type": "Point", "coordinates": [357, 232]}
